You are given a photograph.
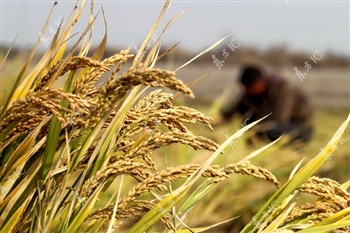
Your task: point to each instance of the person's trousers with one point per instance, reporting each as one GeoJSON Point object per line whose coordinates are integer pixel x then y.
{"type": "Point", "coordinates": [297, 132]}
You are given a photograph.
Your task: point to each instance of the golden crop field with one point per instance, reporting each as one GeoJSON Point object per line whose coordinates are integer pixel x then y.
{"type": "Point", "coordinates": [96, 143]}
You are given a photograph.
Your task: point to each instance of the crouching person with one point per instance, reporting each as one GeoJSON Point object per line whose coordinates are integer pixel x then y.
{"type": "Point", "coordinates": [264, 94]}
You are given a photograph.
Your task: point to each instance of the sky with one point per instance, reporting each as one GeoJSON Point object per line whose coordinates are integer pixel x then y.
{"type": "Point", "coordinates": [307, 26]}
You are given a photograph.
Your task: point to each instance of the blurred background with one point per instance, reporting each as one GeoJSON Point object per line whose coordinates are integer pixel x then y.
{"type": "Point", "coordinates": [282, 36]}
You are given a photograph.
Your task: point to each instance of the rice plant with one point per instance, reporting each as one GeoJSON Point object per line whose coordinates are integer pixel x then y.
{"type": "Point", "coordinates": [80, 157]}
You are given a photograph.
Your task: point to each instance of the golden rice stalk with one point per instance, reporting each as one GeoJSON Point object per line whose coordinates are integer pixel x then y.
{"type": "Point", "coordinates": [173, 117]}
{"type": "Point", "coordinates": [127, 167]}
{"type": "Point", "coordinates": [160, 139]}
{"type": "Point", "coordinates": [28, 112]}
{"type": "Point", "coordinates": [154, 110]}
{"type": "Point", "coordinates": [328, 190]}
{"type": "Point", "coordinates": [246, 168]}
{"type": "Point", "coordinates": [157, 179]}
{"type": "Point", "coordinates": [136, 208]}
{"type": "Point", "coordinates": [86, 82]}
{"type": "Point", "coordinates": [148, 77]}
{"type": "Point", "coordinates": [315, 211]}
{"type": "Point", "coordinates": [73, 63]}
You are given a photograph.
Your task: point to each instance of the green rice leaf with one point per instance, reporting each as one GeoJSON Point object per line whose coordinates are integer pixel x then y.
{"type": "Point", "coordinates": [297, 180]}
{"type": "Point", "coordinates": [11, 223]}
{"type": "Point", "coordinates": [80, 217]}
{"type": "Point", "coordinates": [326, 228]}
{"type": "Point", "coordinates": [157, 212]}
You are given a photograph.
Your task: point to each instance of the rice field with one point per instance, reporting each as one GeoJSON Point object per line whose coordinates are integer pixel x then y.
{"type": "Point", "coordinates": [85, 148]}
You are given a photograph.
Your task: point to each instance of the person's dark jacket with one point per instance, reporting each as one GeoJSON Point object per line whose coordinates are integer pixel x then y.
{"type": "Point", "coordinates": [285, 102]}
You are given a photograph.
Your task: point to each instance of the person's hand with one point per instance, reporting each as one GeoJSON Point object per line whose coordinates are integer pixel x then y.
{"type": "Point", "coordinates": [218, 120]}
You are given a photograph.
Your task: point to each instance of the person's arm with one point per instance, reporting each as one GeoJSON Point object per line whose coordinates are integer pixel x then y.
{"type": "Point", "coordinates": [218, 120]}
{"type": "Point", "coordinates": [284, 102]}
{"type": "Point", "coordinates": [227, 114]}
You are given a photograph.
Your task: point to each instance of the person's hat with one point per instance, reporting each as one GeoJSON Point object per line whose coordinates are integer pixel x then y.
{"type": "Point", "coordinates": [250, 75]}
